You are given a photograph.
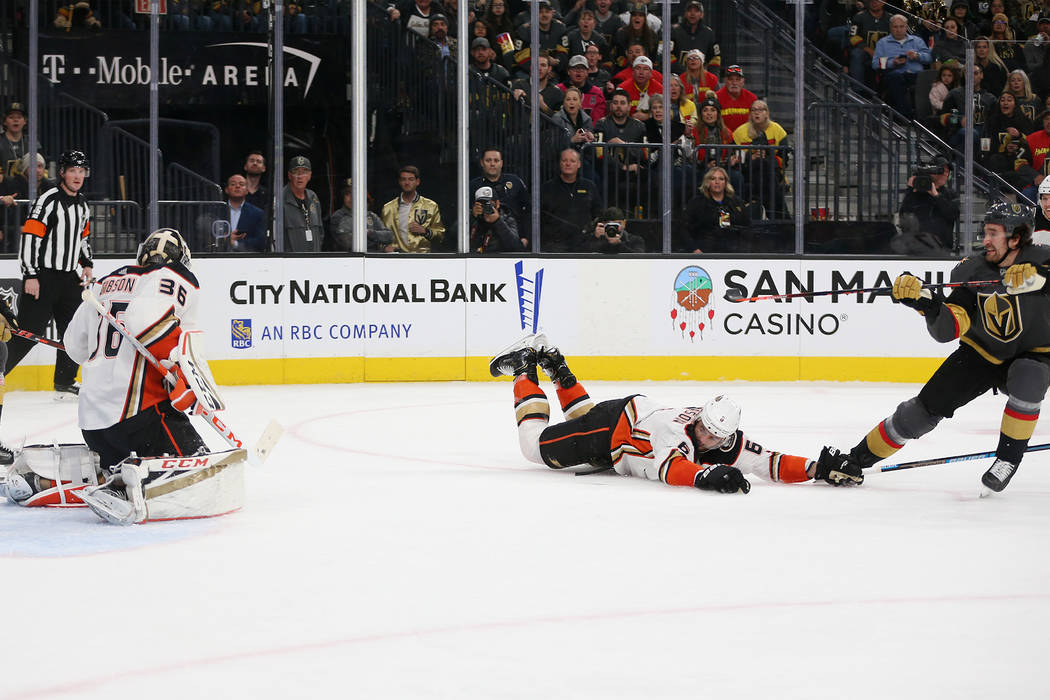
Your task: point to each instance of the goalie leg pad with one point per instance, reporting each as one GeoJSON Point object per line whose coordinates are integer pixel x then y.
{"type": "Point", "coordinates": [52, 475]}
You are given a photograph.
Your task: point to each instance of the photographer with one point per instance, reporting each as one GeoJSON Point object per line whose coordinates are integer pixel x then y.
{"type": "Point", "coordinates": [610, 235]}
{"type": "Point", "coordinates": [490, 231]}
{"type": "Point", "coordinates": [930, 208]}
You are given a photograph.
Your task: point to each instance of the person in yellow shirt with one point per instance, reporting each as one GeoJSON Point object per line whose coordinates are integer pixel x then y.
{"type": "Point", "coordinates": [763, 168]}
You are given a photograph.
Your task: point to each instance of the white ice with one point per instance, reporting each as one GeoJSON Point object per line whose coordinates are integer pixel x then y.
{"type": "Point", "coordinates": [396, 545]}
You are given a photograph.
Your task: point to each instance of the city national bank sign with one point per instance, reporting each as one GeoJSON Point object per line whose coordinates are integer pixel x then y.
{"type": "Point", "coordinates": [212, 68]}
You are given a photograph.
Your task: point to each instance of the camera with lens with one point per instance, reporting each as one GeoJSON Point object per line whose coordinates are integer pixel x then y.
{"type": "Point", "coordinates": [487, 207]}
{"type": "Point", "coordinates": [922, 180]}
{"type": "Point", "coordinates": [612, 229]}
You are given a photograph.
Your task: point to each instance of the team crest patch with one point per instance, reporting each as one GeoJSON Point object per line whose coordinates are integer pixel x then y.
{"type": "Point", "coordinates": [1000, 315]}
{"type": "Point", "coordinates": [241, 333]}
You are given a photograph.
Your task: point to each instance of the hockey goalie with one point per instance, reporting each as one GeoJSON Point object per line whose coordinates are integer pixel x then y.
{"type": "Point", "coordinates": [143, 459]}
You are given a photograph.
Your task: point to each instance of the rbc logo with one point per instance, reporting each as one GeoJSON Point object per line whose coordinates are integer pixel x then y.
{"type": "Point", "coordinates": [241, 333]}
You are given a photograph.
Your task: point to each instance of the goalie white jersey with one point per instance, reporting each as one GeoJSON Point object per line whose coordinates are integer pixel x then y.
{"type": "Point", "coordinates": [155, 303]}
{"type": "Point", "coordinates": [653, 441]}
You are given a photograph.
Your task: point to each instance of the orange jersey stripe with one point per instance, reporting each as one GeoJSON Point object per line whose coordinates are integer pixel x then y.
{"type": "Point", "coordinates": [681, 472]}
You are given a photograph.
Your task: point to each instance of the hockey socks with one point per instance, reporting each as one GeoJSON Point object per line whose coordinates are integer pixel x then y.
{"type": "Point", "coordinates": [1019, 419]}
{"type": "Point", "coordinates": [530, 403]}
{"type": "Point", "coordinates": [575, 401]}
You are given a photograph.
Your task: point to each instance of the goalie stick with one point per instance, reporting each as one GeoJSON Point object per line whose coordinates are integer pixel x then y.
{"type": "Point", "coordinates": [735, 296]}
{"type": "Point", "coordinates": [949, 460]}
{"type": "Point", "coordinates": [269, 436]}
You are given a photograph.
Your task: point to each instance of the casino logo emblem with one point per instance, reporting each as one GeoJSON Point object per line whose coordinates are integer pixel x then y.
{"type": "Point", "coordinates": [692, 311]}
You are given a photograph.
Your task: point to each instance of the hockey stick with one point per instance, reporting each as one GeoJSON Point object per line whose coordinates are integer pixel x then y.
{"type": "Point", "coordinates": [266, 441]}
{"type": "Point", "coordinates": [37, 338]}
{"type": "Point", "coordinates": [735, 296]}
{"type": "Point", "coordinates": [949, 460]}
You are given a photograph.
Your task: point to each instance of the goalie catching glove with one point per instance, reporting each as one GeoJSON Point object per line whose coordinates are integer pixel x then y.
{"type": "Point", "coordinates": [723, 479]}
{"type": "Point", "coordinates": [1024, 277]}
{"type": "Point", "coordinates": [908, 290]}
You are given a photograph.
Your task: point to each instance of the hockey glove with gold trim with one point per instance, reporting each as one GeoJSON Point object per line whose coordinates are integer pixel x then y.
{"type": "Point", "coordinates": [908, 290]}
{"type": "Point", "coordinates": [1024, 277]}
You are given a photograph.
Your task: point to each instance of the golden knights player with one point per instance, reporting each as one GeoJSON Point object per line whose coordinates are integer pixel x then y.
{"type": "Point", "coordinates": [1004, 343]}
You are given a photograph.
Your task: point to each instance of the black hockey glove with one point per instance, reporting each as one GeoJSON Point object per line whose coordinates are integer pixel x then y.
{"type": "Point", "coordinates": [722, 479]}
{"type": "Point", "coordinates": [838, 469]}
{"type": "Point", "coordinates": [908, 290]}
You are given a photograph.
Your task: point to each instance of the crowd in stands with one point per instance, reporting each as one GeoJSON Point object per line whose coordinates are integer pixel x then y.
{"type": "Point", "coordinates": [600, 90]}
{"type": "Point", "coordinates": [915, 62]}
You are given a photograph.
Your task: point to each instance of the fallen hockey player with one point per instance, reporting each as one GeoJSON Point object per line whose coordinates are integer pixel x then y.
{"type": "Point", "coordinates": [636, 436]}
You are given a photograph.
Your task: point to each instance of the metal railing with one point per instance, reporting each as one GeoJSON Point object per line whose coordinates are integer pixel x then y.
{"type": "Point", "coordinates": [116, 226]}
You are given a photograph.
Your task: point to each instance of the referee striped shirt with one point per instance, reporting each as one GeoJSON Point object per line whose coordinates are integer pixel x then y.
{"type": "Point", "coordinates": [55, 236]}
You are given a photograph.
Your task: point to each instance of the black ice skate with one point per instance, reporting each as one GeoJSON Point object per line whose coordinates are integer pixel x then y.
{"type": "Point", "coordinates": [519, 358]}
{"type": "Point", "coordinates": [553, 364]}
{"type": "Point", "coordinates": [999, 475]}
{"type": "Point", "coordinates": [66, 392]}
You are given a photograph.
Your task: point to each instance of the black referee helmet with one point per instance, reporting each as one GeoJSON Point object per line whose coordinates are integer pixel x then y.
{"type": "Point", "coordinates": [74, 159]}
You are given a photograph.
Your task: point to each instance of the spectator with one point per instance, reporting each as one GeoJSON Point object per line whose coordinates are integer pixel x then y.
{"type": "Point", "coordinates": [714, 217]}
{"type": "Point", "coordinates": [948, 45]}
{"type": "Point", "coordinates": [1037, 50]}
{"type": "Point", "coordinates": [946, 81]}
{"type": "Point", "coordinates": [1006, 128]}
{"type": "Point", "coordinates": [379, 239]}
{"type": "Point", "coordinates": [586, 34]}
{"type": "Point", "coordinates": [568, 203]}
{"type": "Point", "coordinates": [995, 7]}
{"type": "Point", "coordinates": [763, 168]}
{"type": "Point", "coordinates": [634, 50]}
{"type": "Point", "coordinates": [623, 166]}
{"type": "Point", "coordinates": [641, 7]}
{"type": "Point", "coordinates": [607, 21]}
{"type": "Point", "coordinates": [834, 19]}
{"type": "Point", "coordinates": [76, 17]}
{"type": "Point", "coordinates": [20, 183]}
{"type": "Point", "coordinates": [15, 141]}
{"type": "Point", "coordinates": [509, 188]}
{"type": "Point", "coordinates": [635, 31]}
{"type": "Point", "coordinates": [1009, 51]}
{"type": "Point", "coordinates": [247, 233]}
{"type": "Point", "coordinates": [960, 10]}
{"type": "Point", "coordinates": [640, 87]}
{"type": "Point", "coordinates": [1039, 143]}
{"type": "Point", "coordinates": [866, 29]}
{"type": "Point", "coordinates": [414, 15]}
{"type": "Point", "coordinates": [683, 109]}
{"type": "Point", "coordinates": [549, 95]}
{"type": "Point", "coordinates": [736, 99]}
{"type": "Point", "coordinates": [596, 73]}
{"type": "Point", "coordinates": [303, 220]}
{"type": "Point", "coordinates": [481, 61]}
{"type": "Point", "coordinates": [691, 34]}
{"type": "Point", "coordinates": [1027, 102]}
{"type": "Point", "coordinates": [501, 31]}
{"type": "Point", "coordinates": [681, 149]}
{"type": "Point", "coordinates": [446, 45]}
{"type": "Point", "coordinates": [899, 58]}
{"type": "Point", "coordinates": [952, 117]}
{"type": "Point", "coordinates": [554, 39]}
{"type": "Point", "coordinates": [929, 208]}
{"type": "Point", "coordinates": [592, 99]}
{"type": "Point", "coordinates": [609, 235]}
{"type": "Point", "coordinates": [710, 130]}
{"type": "Point", "coordinates": [992, 66]}
{"type": "Point", "coordinates": [490, 230]}
{"type": "Point", "coordinates": [578, 127]}
{"type": "Point", "coordinates": [696, 79]}
{"type": "Point", "coordinates": [414, 219]}
{"type": "Point", "coordinates": [254, 170]}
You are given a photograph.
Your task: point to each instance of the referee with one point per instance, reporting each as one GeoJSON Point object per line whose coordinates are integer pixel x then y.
{"type": "Point", "coordinates": [54, 241]}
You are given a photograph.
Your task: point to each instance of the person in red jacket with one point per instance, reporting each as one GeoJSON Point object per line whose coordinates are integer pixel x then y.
{"type": "Point", "coordinates": [641, 86]}
{"type": "Point", "coordinates": [735, 98]}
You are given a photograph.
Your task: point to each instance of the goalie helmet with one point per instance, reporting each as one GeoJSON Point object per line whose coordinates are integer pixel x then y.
{"type": "Point", "coordinates": [721, 417]}
{"type": "Point", "coordinates": [165, 245]}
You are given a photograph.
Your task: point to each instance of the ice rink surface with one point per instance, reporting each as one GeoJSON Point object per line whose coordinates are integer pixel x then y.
{"type": "Point", "coordinates": [397, 545]}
